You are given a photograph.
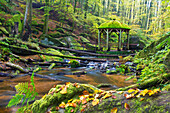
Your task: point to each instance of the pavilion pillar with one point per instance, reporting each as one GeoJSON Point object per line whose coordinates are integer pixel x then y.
{"type": "Point", "coordinates": [119, 40]}
{"type": "Point", "coordinates": [99, 46]}
{"type": "Point", "coordinates": [107, 40]}
{"type": "Point", "coordinates": [128, 40]}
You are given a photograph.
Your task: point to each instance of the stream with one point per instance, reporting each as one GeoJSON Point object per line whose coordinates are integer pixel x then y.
{"type": "Point", "coordinates": [80, 75]}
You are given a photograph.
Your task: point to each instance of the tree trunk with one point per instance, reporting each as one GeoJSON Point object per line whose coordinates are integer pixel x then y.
{"type": "Point", "coordinates": [45, 30]}
{"type": "Point", "coordinates": [25, 18]}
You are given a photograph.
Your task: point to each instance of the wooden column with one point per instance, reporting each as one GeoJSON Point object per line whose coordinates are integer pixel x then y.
{"type": "Point", "coordinates": [128, 40]}
{"type": "Point", "coordinates": [98, 39]}
{"type": "Point", "coordinates": [119, 40]}
{"type": "Point", "coordinates": [107, 41]}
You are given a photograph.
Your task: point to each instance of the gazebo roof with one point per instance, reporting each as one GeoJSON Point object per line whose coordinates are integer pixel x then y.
{"type": "Point", "coordinates": [114, 24]}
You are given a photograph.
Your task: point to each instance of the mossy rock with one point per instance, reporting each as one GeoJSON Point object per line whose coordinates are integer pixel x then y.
{"type": "Point", "coordinates": [72, 43]}
{"type": "Point", "coordinates": [54, 99]}
{"type": "Point", "coordinates": [47, 39]}
{"type": "Point", "coordinates": [158, 102]}
{"type": "Point", "coordinates": [74, 63]}
{"type": "Point", "coordinates": [114, 24]}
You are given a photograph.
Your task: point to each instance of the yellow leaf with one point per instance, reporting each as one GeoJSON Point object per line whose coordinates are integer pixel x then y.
{"type": "Point", "coordinates": [75, 101]}
{"type": "Point", "coordinates": [95, 102]}
{"type": "Point", "coordinates": [131, 90]}
{"type": "Point", "coordinates": [150, 92]}
{"type": "Point", "coordinates": [156, 90]}
{"type": "Point", "coordinates": [141, 99]}
{"type": "Point", "coordinates": [114, 110]}
{"type": "Point", "coordinates": [107, 95]}
{"type": "Point", "coordinates": [62, 105]}
{"type": "Point", "coordinates": [44, 96]}
{"type": "Point", "coordinates": [68, 104]}
{"type": "Point", "coordinates": [64, 90]}
{"type": "Point", "coordinates": [67, 83]}
{"type": "Point", "coordinates": [126, 106]}
{"type": "Point", "coordinates": [144, 92]}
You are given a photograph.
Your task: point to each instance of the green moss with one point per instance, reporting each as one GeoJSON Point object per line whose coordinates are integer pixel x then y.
{"type": "Point", "coordinates": [74, 63]}
{"type": "Point", "coordinates": [84, 39]}
{"type": "Point", "coordinates": [4, 30]}
{"type": "Point", "coordinates": [17, 18]}
{"type": "Point", "coordinates": [59, 30]}
{"type": "Point", "coordinates": [55, 52]}
{"type": "Point", "coordinates": [114, 24]}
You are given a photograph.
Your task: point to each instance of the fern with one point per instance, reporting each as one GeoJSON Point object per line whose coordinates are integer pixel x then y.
{"type": "Point", "coordinates": [24, 95]}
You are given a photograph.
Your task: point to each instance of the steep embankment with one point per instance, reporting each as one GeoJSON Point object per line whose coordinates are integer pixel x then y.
{"type": "Point", "coordinates": [158, 49]}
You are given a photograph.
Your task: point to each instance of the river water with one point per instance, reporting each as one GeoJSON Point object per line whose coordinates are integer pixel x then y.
{"type": "Point", "coordinates": [93, 77]}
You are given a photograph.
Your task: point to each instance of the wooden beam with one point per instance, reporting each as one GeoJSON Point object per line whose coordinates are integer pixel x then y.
{"type": "Point", "coordinates": [98, 39]}
{"type": "Point", "coordinates": [107, 41]}
{"type": "Point", "coordinates": [128, 40]}
{"type": "Point", "coordinates": [119, 41]}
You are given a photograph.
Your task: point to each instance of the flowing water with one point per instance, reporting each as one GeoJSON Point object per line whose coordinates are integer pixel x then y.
{"type": "Point", "coordinates": [62, 75]}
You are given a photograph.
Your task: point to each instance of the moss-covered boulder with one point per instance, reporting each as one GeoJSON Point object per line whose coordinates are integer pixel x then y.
{"type": "Point", "coordinates": [47, 39]}
{"type": "Point", "coordinates": [89, 99]}
{"type": "Point", "coordinates": [72, 43]}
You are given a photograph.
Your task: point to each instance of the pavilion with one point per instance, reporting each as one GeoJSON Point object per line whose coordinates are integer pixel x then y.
{"type": "Point", "coordinates": [113, 26]}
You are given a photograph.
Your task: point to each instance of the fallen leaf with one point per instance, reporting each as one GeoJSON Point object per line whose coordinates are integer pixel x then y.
{"type": "Point", "coordinates": [74, 105]}
{"type": "Point", "coordinates": [113, 97]}
{"type": "Point", "coordinates": [72, 110]}
{"type": "Point", "coordinates": [150, 92]}
{"type": "Point", "coordinates": [62, 105]}
{"type": "Point", "coordinates": [126, 106]}
{"type": "Point", "coordinates": [144, 92]}
{"type": "Point", "coordinates": [64, 90]}
{"type": "Point", "coordinates": [85, 92]}
{"type": "Point", "coordinates": [84, 106]}
{"type": "Point", "coordinates": [84, 101]}
{"type": "Point", "coordinates": [57, 108]}
{"type": "Point", "coordinates": [138, 95]}
{"type": "Point", "coordinates": [75, 101]}
{"type": "Point", "coordinates": [67, 83]}
{"type": "Point", "coordinates": [107, 95]}
{"type": "Point", "coordinates": [95, 102]}
{"type": "Point", "coordinates": [156, 90]}
{"type": "Point", "coordinates": [128, 96]}
{"type": "Point", "coordinates": [82, 110]}
{"type": "Point", "coordinates": [68, 104]}
{"type": "Point", "coordinates": [131, 90]}
{"type": "Point", "coordinates": [141, 99]}
{"type": "Point", "coordinates": [114, 110]}
{"type": "Point", "coordinates": [70, 100]}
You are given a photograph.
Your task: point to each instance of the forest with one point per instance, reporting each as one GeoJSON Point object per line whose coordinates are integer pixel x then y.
{"type": "Point", "coordinates": [84, 56]}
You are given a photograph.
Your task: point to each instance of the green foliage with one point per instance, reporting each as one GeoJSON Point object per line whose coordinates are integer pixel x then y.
{"type": "Point", "coordinates": [74, 63]}
{"type": "Point", "coordinates": [24, 95]}
{"type": "Point", "coordinates": [114, 24]}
